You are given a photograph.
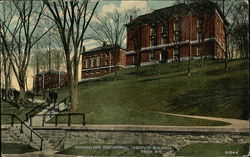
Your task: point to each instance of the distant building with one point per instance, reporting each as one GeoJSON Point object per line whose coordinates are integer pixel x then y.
{"type": "Point", "coordinates": [100, 61]}
{"type": "Point", "coordinates": [172, 33]}
{"type": "Point", "coordinates": [49, 80]}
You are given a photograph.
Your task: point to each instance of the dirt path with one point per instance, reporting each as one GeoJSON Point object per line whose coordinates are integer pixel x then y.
{"type": "Point", "coordinates": [235, 123]}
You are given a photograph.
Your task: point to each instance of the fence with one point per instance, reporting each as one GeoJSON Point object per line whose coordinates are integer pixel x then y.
{"type": "Point", "coordinates": [69, 115]}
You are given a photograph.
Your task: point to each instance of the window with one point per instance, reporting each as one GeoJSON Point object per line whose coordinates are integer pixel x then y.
{"type": "Point", "coordinates": [200, 36]}
{"type": "Point", "coordinates": [198, 51]}
{"type": "Point", "coordinates": [153, 29]}
{"type": "Point", "coordinates": [153, 35]}
{"type": "Point", "coordinates": [176, 38]}
{"type": "Point", "coordinates": [86, 63]}
{"type": "Point", "coordinates": [176, 25]}
{"type": "Point", "coordinates": [164, 34]}
{"type": "Point", "coordinates": [164, 29]}
{"type": "Point", "coordinates": [106, 62]}
{"type": "Point", "coordinates": [151, 57]}
{"type": "Point", "coordinates": [153, 41]}
{"type": "Point", "coordinates": [199, 23]}
{"type": "Point", "coordinates": [164, 39]}
{"type": "Point", "coordinates": [176, 52]}
{"type": "Point", "coordinates": [92, 63]}
{"type": "Point", "coordinates": [98, 61]}
{"type": "Point", "coordinates": [133, 59]}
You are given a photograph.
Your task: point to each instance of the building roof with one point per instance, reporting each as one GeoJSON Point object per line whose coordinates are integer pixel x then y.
{"type": "Point", "coordinates": [175, 12]}
{"type": "Point", "coordinates": [102, 48]}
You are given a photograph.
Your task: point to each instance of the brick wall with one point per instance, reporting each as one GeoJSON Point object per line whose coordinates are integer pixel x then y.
{"type": "Point", "coordinates": [101, 63]}
{"type": "Point", "coordinates": [189, 29]}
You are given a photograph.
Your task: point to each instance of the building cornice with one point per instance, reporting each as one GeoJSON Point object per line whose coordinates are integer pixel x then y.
{"type": "Point", "coordinates": [103, 67]}
{"type": "Point", "coordinates": [171, 45]}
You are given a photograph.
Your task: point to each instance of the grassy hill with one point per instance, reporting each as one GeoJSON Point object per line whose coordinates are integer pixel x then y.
{"type": "Point", "coordinates": [209, 91]}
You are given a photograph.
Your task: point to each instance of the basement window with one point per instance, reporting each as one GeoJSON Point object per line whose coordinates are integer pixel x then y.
{"type": "Point", "coordinates": [198, 51]}
{"type": "Point", "coordinates": [151, 57]}
{"type": "Point", "coordinates": [176, 52]}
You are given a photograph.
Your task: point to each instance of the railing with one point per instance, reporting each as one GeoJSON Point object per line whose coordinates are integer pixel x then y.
{"type": "Point", "coordinates": [60, 144]}
{"type": "Point", "coordinates": [41, 106]}
{"type": "Point", "coordinates": [62, 114]}
{"type": "Point", "coordinates": [66, 102]}
{"type": "Point", "coordinates": [23, 126]}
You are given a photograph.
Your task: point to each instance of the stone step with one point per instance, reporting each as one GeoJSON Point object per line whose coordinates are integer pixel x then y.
{"type": "Point", "coordinates": [25, 138]}
{"type": "Point", "coordinates": [38, 120]}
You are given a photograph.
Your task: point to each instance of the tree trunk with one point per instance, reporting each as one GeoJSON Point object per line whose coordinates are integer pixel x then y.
{"type": "Point", "coordinates": [115, 63]}
{"type": "Point", "coordinates": [74, 85]}
{"type": "Point", "coordinates": [22, 93]}
{"type": "Point", "coordinates": [226, 54]}
{"type": "Point", "coordinates": [138, 62]}
{"type": "Point", "coordinates": [115, 73]}
{"type": "Point", "coordinates": [202, 49]}
{"type": "Point", "coordinates": [73, 95]}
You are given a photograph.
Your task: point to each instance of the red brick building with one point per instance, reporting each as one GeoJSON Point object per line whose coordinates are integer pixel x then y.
{"type": "Point", "coordinates": [49, 80]}
{"type": "Point", "coordinates": [175, 32]}
{"type": "Point", "coordinates": [101, 61]}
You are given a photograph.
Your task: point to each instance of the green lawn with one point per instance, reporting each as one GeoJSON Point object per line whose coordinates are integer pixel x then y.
{"type": "Point", "coordinates": [209, 91]}
{"type": "Point", "coordinates": [10, 108]}
{"type": "Point", "coordinates": [13, 148]}
{"type": "Point", "coordinates": [214, 150]}
{"type": "Point", "coordinates": [113, 150]}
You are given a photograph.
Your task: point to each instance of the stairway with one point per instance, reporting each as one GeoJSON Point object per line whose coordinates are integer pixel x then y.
{"type": "Point", "coordinates": [25, 137]}
{"type": "Point", "coordinates": [48, 113]}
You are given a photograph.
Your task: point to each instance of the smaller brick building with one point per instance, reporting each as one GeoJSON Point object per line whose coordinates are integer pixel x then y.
{"type": "Point", "coordinates": [49, 80]}
{"type": "Point", "coordinates": [101, 61]}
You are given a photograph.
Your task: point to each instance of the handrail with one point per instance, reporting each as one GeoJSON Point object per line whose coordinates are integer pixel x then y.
{"type": "Point", "coordinates": [57, 105]}
{"type": "Point", "coordinates": [60, 142]}
{"type": "Point", "coordinates": [33, 109]}
{"type": "Point", "coordinates": [64, 114]}
{"type": "Point", "coordinates": [21, 129]}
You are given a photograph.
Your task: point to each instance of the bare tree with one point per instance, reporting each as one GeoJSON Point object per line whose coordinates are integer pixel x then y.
{"type": "Point", "coordinates": [72, 19]}
{"type": "Point", "coordinates": [239, 34]}
{"type": "Point", "coordinates": [110, 28]}
{"type": "Point", "coordinates": [46, 63]}
{"type": "Point", "coordinates": [203, 13]}
{"type": "Point", "coordinates": [137, 46]}
{"type": "Point", "coordinates": [19, 29]}
{"type": "Point", "coordinates": [231, 16]}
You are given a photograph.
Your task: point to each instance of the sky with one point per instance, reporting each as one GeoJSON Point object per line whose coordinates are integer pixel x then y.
{"type": "Point", "coordinates": [106, 6]}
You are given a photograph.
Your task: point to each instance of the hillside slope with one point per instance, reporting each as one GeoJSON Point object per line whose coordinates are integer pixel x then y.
{"type": "Point", "coordinates": [209, 91]}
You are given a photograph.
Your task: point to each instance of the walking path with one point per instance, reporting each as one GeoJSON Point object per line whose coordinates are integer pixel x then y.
{"type": "Point", "coordinates": [38, 120]}
{"type": "Point", "coordinates": [234, 123]}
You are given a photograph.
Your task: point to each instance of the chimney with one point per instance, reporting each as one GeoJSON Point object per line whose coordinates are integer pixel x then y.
{"type": "Point", "coordinates": [104, 43]}
{"type": "Point", "coordinates": [131, 18]}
